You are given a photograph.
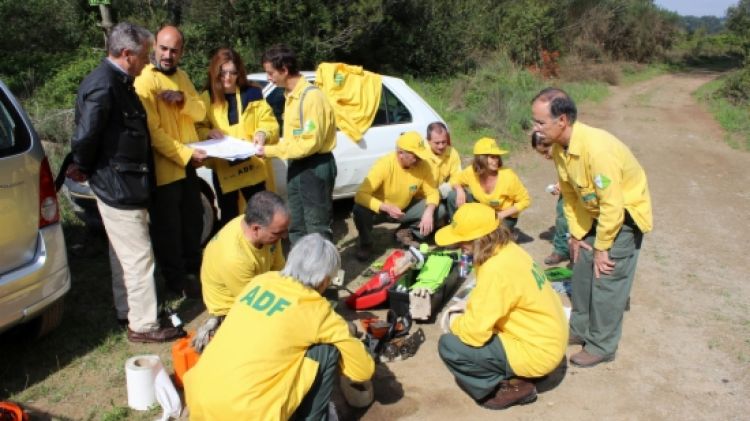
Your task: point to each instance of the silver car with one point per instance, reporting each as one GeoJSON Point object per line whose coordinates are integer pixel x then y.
{"type": "Point", "coordinates": [34, 274]}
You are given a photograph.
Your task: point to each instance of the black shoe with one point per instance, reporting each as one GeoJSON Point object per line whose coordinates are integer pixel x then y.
{"type": "Point", "coordinates": [164, 334]}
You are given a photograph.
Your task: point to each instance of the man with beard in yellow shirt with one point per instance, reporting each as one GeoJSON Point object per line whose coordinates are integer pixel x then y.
{"type": "Point", "coordinates": [393, 192]}
{"type": "Point", "coordinates": [513, 326]}
{"type": "Point", "coordinates": [608, 207]}
{"type": "Point", "coordinates": [280, 347]}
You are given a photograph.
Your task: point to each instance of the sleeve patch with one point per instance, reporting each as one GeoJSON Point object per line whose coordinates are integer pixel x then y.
{"type": "Point", "coordinates": [602, 181]}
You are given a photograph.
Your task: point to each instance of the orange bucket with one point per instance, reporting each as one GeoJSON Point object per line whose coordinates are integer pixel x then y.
{"type": "Point", "coordinates": [184, 358]}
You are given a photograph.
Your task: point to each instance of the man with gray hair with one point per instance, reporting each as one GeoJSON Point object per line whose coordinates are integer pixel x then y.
{"type": "Point", "coordinates": [112, 149]}
{"type": "Point", "coordinates": [277, 352]}
{"type": "Point", "coordinates": [246, 247]}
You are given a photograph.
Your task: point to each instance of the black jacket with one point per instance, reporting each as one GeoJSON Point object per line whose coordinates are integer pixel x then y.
{"type": "Point", "coordinates": [111, 142]}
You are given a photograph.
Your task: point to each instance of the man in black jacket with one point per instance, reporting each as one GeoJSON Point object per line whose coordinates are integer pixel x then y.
{"type": "Point", "coordinates": [112, 149]}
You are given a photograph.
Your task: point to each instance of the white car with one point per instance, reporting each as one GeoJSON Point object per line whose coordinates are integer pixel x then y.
{"type": "Point", "coordinates": [401, 110]}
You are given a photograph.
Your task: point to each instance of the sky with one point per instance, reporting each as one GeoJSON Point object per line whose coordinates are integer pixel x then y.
{"type": "Point", "coordinates": [697, 7]}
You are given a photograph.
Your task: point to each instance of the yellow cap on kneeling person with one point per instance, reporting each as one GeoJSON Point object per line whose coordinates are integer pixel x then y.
{"type": "Point", "coordinates": [471, 221]}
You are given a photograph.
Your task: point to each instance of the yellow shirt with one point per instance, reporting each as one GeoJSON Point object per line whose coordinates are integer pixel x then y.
{"type": "Point", "coordinates": [256, 117]}
{"type": "Point", "coordinates": [255, 367]}
{"type": "Point", "coordinates": [354, 94]}
{"type": "Point", "coordinates": [514, 300]}
{"type": "Point", "coordinates": [230, 262]}
{"type": "Point", "coordinates": [388, 182]}
{"type": "Point", "coordinates": [171, 126]}
{"type": "Point", "coordinates": [508, 191]}
{"type": "Point", "coordinates": [599, 179]}
{"type": "Point", "coordinates": [317, 134]}
{"type": "Point", "coordinates": [445, 166]}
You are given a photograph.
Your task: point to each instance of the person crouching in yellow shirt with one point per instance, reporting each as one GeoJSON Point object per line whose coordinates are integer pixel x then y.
{"type": "Point", "coordinates": [278, 351]}
{"type": "Point", "coordinates": [391, 193]}
{"type": "Point", "coordinates": [236, 108]}
{"type": "Point", "coordinates": [246, 247]}
{"type": "Point", "coordinates": [513, 326]}
{"type": "Point", "coordinates": [487, 181]}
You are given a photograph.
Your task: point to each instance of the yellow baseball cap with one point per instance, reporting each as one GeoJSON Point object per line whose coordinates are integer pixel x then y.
{"type": "Point", "coordinates": [412, 142]}
{"type": "Point", "coordinates": [471, 221]}
{"type": "Point", "coordinates": [488, 146]}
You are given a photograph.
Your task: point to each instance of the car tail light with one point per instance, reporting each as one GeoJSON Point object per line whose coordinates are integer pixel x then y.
{"type": "Point", "coordinates": [49, 211]}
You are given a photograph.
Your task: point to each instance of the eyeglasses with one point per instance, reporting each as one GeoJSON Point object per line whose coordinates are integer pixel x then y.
{"type": "Point", "coordinates": [225, 73]}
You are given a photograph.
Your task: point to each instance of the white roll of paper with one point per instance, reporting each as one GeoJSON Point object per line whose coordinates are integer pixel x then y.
{"type": "Point", "coordinates": [140, 372]}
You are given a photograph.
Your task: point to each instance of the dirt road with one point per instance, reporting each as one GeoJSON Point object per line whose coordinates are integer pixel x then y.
{"type": "Point", "coordinates": [685, 352]}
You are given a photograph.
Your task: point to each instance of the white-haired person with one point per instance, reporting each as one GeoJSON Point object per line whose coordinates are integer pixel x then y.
{"type": "Point", "coordinates": [513, 327]}
{"type": "Point", "coordinates": [277, 354]}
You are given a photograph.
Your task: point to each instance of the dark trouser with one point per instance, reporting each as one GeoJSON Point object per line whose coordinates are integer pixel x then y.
{"type": "Point", "coordinates": [598, 304]}
{"type": "Point", "coordinates": [450, 202]}
{"type": "Point", "coordinates": [176, 226]}
{"type": "Point", "coordinates": [315, 404]}
{"type": "Point", "coordinates": [228, 202]}
{"type": "Point", "coordinates": [365, 218]}
{"type": "Point", "coordinates": [477, 370]}
{"type": "Point", "coordinates": [560, 240]}
{"type": "Point", "coordinates": [309, 190]}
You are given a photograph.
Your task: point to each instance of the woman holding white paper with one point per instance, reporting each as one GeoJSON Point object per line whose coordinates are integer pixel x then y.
{"type": "Point", "coordinates": [236, 108]}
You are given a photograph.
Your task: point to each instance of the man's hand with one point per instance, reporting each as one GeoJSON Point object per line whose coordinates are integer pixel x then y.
{"type": "Point", "coordinates": [74, 173]}
{"type": "Point", "coordinates": [426, 224]}
{"type": "Point", "coordinates": [199, 156]}
{"type": "Point", "coordinates": [460, 196]}
{"type": "Point", "coordinates": [215, 134]}
{"type": "Point", "coordinates": [172, 97]}
{"type": "Point", "coordinates": [574, 246]}
{"type": "Point", "coordinates": [260, 138]}
{"type": "Point", "coordinates": [602, 264]}
{"type": "Point", "coordinates": [391, 210]}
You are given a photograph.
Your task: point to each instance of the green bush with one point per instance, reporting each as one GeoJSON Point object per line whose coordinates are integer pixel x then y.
{"type": "Point", "coordinates": [736, 87]}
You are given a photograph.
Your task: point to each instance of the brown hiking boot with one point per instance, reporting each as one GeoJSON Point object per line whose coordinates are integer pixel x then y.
{"type": "Point", "coordinates": [511, 392]}
{"type": "Point", "coordinates": [585, 359]}
{"type": "Point", "coordinates": [554, 259]}
{"type": "Point", "coordinates": [405, 237]}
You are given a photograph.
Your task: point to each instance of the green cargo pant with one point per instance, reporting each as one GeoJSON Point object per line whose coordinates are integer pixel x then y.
{"type": "Point", "coordinates": [477, 370]}
{"type": "Point", "coordinates": [314, 406]}
{"type": "Point", "coordinates": [451, 206]}
{"type": "Point", "coordinates": [598, 304]}
{"type": "Point", "coordinates": [365, 218]}
{"type": "Point", "coordinates": [560, 240]}
{"type": "Point", "coordinates": [309, 188]}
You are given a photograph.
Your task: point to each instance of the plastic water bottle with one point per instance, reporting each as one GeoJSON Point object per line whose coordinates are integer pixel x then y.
{"type": "Point", "coordinates": [464, 266]}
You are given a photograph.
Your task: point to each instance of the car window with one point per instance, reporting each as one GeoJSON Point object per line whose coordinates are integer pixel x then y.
{"type": "Point", "coordinates": [391, 110]}
{"type": "Point", "coordinates": [13, 138]}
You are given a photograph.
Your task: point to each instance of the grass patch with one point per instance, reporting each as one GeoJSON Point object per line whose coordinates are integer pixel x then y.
{"type": "Point", "coordinates": [734, 118]}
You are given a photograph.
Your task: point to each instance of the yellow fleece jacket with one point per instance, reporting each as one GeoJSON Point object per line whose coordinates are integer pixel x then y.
{"type": "Point", "coordinates": [230, 261]}
{"type": "Point", "coordinates": [509, 190]}
{"type": "Point", "coordinates": [315, 133]}
{"type": "Point", "coordinates": [256, 117]}
{"type": "Point", "coordinates": [255, 367]}
{"type": "Point", "coordinates": [354, 94]}
{"type": "Point", "coordinates": [445, 166]}
{"type": "Point", "coordinates": [599, 179]}
{"type": "Point", "coordinates": [388, 182]}
{"type": "Point", "coordinates": [514, 300]}
{"type": "Point", "coordinates": [172, 127]}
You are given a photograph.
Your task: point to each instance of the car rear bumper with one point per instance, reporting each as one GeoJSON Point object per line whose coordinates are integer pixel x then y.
{"type": "Point", "coordinates": [28, 290]}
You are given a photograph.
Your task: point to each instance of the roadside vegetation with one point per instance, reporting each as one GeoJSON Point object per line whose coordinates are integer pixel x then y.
{"type": "Point", "coordinates": [478, 63]}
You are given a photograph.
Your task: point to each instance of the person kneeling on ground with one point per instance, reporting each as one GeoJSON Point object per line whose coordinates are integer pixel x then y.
{"type": "Point", "coordinates": [513, 327]}
{"type": "Point", "coordinates": [246, 247]}
{"type": "Point", "coordinates": [388, 194]}
{"type": "Point", "coordinates": [277, 352]}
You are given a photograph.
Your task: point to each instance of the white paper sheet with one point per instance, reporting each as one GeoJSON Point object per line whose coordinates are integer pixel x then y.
{"type": "Point", "coordinates": [228, 147]}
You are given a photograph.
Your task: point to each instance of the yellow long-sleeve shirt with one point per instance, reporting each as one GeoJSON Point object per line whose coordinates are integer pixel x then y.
{"type": "Point", "coordinates": [599, 179]}
{"type": "Point", "coordinates": [514, 300]}
{"type": "Point", "coordinates": [171, 126]}
{"type": "Point", "coordinates": [255, 367]}
{"type": "Point", "coordinates": [445, 166]}
{"type": "Point", "coordinates": [509, 190]}
{"type": "Point", "coordinates": [316, 134]}
{"type": "Point", "coordinates": [230, 262]}
{"type": "Point", "coordinates": [388, 182]}
{"type": "Point", "coordinates": [354, 94]}
{"type": "Point", "coordinates": [256, 116]}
